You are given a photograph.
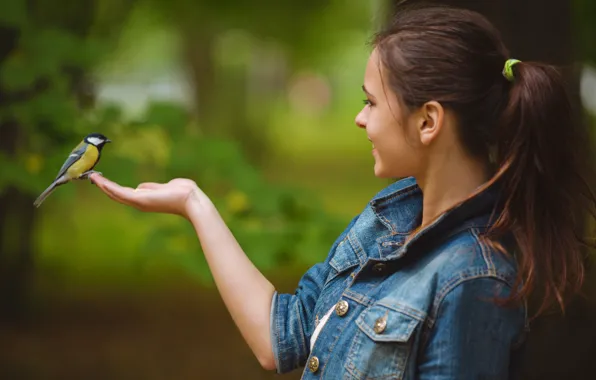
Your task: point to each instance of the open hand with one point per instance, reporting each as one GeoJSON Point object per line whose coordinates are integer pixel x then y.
{"type": "Point", "coordinates": [170, 198]}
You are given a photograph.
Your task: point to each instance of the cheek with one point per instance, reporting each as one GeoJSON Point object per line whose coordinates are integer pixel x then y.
{"type": "Point", "coordinates": [397, 155]}
{"type": "Point", "coordinates": [389, 133]}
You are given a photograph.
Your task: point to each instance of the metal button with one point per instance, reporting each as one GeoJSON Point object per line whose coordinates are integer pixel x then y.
{"type": "Point", "coordinates": [379, 267]}
{"type": "Point", "coordinates": [313, 364]}
{"type": "Point", "coordinates": [380, 325]}
{"type": "Point", "coordinates": [342, 308]}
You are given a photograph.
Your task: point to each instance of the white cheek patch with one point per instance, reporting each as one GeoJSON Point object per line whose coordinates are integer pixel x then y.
{"type": "Point", "coordinates": [95, 140]}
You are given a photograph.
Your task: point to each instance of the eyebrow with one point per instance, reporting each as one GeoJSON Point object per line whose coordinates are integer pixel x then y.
{"type": "Point", "coordinates": [366, 91]}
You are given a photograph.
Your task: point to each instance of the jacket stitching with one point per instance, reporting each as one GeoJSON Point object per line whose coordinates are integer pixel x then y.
{"type": "Point", "coordinates": [277, 334]}
{"type": "Point", "coordinates": [455, 281]}
{"type": "Point", "coordinates": [333, 344]}
{"type": "Point", "coordinates": [378, 204]}
{"type": "Point", "coordinates": [485, 251]}
{"type": "Point", "coordinates": [397, 193]}
{"type": "Point", "coordinates": [397, 307]}
{"type": "Point", "coordinates": [360, 298]}
{"type": "Point", "coordinates": [302, 337]}
{"type": "Point", "coordinates": [357, 247]}
{"type": "Point", "coordinates": [346, 263]}
{"type": "Point", "coordinates": [403, 309]}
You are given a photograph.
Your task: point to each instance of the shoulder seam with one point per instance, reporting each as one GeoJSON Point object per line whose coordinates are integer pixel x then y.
{"type": "Point", "coordinates": [450, 286]}
{"type": "Point", "coordinates": [484, 250]}
{"type": "Point", "coordinates": [454, 282]}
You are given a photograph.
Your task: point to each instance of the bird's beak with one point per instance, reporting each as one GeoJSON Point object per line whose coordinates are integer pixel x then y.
{"type": "Point", "coordinates": [108, 141]}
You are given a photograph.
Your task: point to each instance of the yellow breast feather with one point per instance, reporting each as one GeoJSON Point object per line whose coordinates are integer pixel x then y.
{"type": "Point", "coordinates": [85, 163]}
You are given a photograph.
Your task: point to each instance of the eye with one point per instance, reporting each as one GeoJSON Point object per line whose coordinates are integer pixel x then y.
{"type": "Point", "coordinates": [367, 102]}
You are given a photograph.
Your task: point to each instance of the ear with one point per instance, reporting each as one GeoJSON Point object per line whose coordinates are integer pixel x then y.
{"type": "Point", "coordinates": [430, 121]}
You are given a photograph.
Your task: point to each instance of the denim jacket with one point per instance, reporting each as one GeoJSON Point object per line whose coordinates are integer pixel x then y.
{"type": "Point", "coordinates": [420, 309]}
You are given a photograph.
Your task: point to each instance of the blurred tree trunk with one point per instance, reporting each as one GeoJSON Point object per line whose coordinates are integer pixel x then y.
{"type": "Point", "coordinates": [221, 100]}
{"type": "Point", "coordinates": [198, 51]}
{"type": "Point", "coordinates": [537, 30]}
{"type": "Point", "coordinates": [17, 214]}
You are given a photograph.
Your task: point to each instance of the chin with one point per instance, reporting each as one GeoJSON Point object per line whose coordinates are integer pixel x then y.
{"type": "Point", "coordinates": [380, 172]}
{"type": "Point", "coordinates": [384, 172]}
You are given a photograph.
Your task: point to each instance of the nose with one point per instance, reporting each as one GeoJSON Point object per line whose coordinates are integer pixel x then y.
{"type": "Point", "coordinates": [361, 119]}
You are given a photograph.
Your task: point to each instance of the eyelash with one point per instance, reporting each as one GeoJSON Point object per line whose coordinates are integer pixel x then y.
{"type": "Point", "coordinates": [367, 102]}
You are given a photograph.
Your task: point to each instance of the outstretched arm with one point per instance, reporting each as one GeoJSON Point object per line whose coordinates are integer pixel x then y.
{"type": "Point", "coordinates": [275, 326]}
{"type": "Point", "coordinates": [245, 291]}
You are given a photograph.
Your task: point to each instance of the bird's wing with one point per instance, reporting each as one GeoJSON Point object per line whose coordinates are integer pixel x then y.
{"type": "Point", "coordinates": [74, 156]}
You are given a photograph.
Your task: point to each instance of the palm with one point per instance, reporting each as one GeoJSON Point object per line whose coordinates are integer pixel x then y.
{"type": "Point", "coordinates": [171, 197]}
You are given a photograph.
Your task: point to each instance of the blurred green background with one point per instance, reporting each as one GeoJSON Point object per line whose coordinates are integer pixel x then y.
{"type": "Point", "coordinates": [256, 102]}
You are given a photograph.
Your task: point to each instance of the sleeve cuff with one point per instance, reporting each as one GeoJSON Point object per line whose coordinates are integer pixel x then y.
{"type": "Point", "coordinates": [287, 338]}
{"type": "Point", "coordinates": [274, 331]}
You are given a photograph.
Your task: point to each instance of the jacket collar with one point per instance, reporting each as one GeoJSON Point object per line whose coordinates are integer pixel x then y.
{"type": "Point", "coordinates": [399, 208]}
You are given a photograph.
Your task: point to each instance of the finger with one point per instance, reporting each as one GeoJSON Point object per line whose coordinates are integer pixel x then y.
{"type": "Point", "coordinates": [138, 202]}
{"type": "Point", "coordinates": [119, 193]}
{"type": "Point", "coordinates": [137, 198]}
{"type": "Point", "coordinates": [125, 194]}
{"type": "Point", "coordinates": [102, 186]}
{"type": "Point", "coordinates": [95, 177]}
{"type": "Point", "coordinates": [113, 197]}
{"type": "Point", "coordinates": [102, 181]}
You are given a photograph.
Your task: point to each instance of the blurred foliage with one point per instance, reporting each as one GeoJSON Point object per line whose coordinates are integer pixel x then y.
{"type": "Point", "coordinates": [44, 83]}
{"type": "Point", "coordinates": [306, 30]}
{"type": "Point", "coordinates": [585, 29]}
{"type": "Point", "coordinates": [276, 225]}
{"type": "Point", "coordinates": [247, 64]}
{"type": "Point", "coordinates": [271, 80]}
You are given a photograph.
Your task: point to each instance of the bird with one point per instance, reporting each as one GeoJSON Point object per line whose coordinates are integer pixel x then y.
{"type": "Point", "coordinates": [78, 165]}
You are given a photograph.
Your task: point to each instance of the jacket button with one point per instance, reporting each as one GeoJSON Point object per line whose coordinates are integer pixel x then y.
{"type": "Point", "coordinates": [342, 308]}
{"type": "Point", "coordinates": [379, 267]}
{"type": "Point", "coordinates": [380, 325]}
{"type": "Point", "coordinates": [313, 364]}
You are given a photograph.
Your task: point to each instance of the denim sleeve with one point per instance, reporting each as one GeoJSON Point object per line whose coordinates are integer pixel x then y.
{"type": "Point", "coordinates": [472, 337]}
{"type": "Point", "coordinates": [292, 315]}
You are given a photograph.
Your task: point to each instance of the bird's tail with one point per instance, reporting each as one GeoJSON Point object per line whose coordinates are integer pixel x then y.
{"type": "Point", "coordinates": [46, 193]}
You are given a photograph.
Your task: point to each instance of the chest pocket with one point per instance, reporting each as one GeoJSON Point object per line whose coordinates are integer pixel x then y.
{"type": "Point", "coordinates": [382, 344]}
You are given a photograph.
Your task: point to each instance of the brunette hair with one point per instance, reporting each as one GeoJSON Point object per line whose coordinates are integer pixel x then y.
{"type": "Point", "coordinates": [524, 125]}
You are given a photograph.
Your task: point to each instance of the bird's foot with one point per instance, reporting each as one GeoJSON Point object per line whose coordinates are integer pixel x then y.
{"type": "Point", "coordinates": [87, 174]}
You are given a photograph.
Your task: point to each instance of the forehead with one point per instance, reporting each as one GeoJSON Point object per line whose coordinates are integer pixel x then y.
{"type": "Point", "coordinates": [372, 75]}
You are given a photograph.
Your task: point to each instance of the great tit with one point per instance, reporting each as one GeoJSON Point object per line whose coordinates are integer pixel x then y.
{"type": "Point", "coordinates": [79, 164]}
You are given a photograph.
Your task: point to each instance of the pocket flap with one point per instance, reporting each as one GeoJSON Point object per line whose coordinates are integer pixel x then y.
{"type": "Point", "coordinates": [383, 324]}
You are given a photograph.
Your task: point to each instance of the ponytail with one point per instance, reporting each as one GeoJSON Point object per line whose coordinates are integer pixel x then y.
{"type": "Point", "coordinates": [542, 168]}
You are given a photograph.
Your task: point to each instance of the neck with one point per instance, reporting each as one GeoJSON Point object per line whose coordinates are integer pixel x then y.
{"type": "Point", "coordinates": [448, 182]}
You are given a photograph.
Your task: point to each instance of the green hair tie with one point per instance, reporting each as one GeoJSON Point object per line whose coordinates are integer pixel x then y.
{"type": "Point", "coordinates": [508, 69]}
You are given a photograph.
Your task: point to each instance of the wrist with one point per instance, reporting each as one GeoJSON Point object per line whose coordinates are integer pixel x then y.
{"type": "Point", "coordinates": [197, 204]}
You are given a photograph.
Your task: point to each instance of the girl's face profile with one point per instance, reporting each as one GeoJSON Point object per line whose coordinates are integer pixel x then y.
{"type": "Point", "coordinates": [392, 140]}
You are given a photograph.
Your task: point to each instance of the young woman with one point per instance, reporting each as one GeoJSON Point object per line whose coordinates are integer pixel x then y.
{"type": "Point", "coordinates": [431, 280]}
